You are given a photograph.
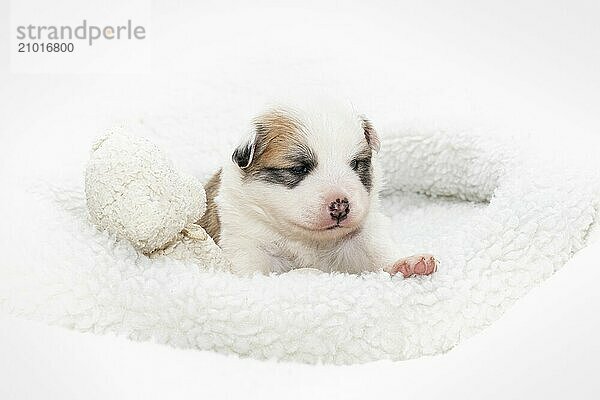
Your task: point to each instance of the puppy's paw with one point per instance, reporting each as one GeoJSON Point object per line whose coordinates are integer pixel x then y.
{"type": "Point", "coordinates": [420, 264]}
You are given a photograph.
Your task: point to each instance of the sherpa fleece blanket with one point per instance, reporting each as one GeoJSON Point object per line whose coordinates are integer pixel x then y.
{"type": "Point", "coordinates": [499, 220]}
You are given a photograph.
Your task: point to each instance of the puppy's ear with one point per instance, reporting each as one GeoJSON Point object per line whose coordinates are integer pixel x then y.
{"type": "Point", "coordinates": [370, 134]}
{"type": "Point", "coordinates": [244, 153]}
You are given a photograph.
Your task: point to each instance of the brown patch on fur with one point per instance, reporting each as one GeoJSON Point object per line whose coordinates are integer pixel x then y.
{"type": "Point", "coordinates": [280, 153]}
{"type": "Point", "coordinates": [210, 220]}
{"type": "Point", "coordinates": [279, 136]}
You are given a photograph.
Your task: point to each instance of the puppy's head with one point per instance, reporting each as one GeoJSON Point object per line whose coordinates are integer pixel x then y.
{"type": "Point", "coordinates": [310, 174]}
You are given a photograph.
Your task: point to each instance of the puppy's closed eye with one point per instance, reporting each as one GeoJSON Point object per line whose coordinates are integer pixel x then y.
{"type": "Point", "coordinates": [287, 176]}
{"type": "Point", "coordinates": [362, 163]}
{"type": "Point", "coordinates": [299, 169]}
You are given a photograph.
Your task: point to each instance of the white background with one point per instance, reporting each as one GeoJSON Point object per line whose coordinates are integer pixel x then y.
{"type": "Point", "coordinates": [527, 64]}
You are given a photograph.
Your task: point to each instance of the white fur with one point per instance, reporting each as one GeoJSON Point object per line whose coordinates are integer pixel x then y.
{"type": "Point", "coordinates": [267, 227]}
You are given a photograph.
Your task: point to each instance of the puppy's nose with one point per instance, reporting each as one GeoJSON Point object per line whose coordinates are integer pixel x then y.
{"type": "Point", "coordinates": [339, 209]}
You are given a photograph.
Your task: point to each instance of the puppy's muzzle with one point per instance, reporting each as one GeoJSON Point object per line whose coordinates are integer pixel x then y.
{"type": "Point", "coordinates": [339, 209]}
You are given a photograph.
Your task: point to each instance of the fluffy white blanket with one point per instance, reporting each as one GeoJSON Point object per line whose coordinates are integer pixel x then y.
{"type": "Point", "coordinates": [499, 222]}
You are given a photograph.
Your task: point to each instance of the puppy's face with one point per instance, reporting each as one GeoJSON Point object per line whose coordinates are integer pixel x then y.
{"type": "Point", "coordinates": [309, 175]}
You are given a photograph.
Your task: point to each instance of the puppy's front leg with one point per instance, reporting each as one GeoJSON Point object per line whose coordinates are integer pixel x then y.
{"type": "Point", "coordinates": [247, 260]}
{"type": "Point", "coordinates": [420, 264]}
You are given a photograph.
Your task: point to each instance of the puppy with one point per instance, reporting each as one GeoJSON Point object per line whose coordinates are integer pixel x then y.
{"type": "Point", "coordinates": [303, 191]}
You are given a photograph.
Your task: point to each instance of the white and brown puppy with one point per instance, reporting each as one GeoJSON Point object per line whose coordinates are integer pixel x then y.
{"type": "Point", "coordinates": [303, 191]}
